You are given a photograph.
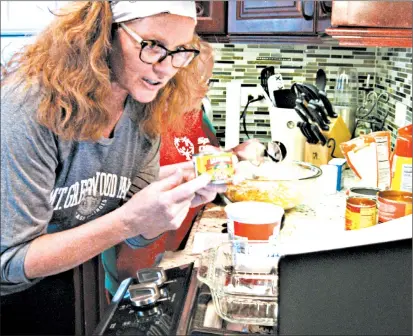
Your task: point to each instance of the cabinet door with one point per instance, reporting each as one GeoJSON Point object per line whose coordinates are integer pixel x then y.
{"type": "Point", "coordinates": [375, 14]}
{"type": "Point", "coordinates": [372, 23]}
{"type": "Point", "coordinates": [323, 11]}
{"type": "Point", "coordinates": [276, 17]}
{"type": "Point", "coordinates": [211, 17]}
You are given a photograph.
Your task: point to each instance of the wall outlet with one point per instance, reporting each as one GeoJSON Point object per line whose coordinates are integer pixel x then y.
{"type": "Point", "coordinates": [253, 91]}
{"type": "Point", "coordinates": [400, 115]}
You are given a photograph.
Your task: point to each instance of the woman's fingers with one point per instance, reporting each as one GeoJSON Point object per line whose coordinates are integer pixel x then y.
{"type": "Point", "coordinates": [168, 170]}
{"type": "Point", "coordinates": [187, 189]}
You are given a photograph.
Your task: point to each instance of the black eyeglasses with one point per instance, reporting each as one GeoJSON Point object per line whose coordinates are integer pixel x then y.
{"type": "Point", "coordinates": [152, 52]}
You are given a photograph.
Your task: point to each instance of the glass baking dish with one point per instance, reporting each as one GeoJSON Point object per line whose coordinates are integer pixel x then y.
{"type": "Point", "coordinates": [243, 279]}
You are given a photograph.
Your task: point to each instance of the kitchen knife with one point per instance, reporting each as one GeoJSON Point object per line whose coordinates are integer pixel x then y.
{"type": "Point", "coordinates": [303, 130]}
{"type": "Point", "coordinates": [311, 134]}
{"type": "Point", "coordinates": [313, 109]}
{"type": "Point", "coordinates": [300, 103]}
{"type": "Point", "coordinates": [318, 134]}
{"type": "Point", "coordinates": [327, 104]}
{"type": "Point", "coordinates": [321, 110]}
{"type": "Point", "coordinates": [301, 113]}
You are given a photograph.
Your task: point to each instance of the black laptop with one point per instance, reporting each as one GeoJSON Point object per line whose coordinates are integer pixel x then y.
{"type": "Point", "coordinates": [362, 290]}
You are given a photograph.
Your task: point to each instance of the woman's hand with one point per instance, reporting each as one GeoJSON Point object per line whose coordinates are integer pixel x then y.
{"type": "Point", "coordinates": [202, 196]}
{"type": "Point", "coordinates": [164, 204]}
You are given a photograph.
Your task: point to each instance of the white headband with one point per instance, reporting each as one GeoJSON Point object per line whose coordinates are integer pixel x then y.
{"type": "Point", "coordinates": [129, 10]}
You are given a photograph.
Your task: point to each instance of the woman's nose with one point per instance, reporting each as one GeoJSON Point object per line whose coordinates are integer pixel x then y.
{"type": "Point", "coordinates": [165, 68]}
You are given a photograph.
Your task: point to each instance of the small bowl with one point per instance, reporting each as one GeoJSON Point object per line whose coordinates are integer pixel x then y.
{"type": "Point", "coordinates": [286, 187]}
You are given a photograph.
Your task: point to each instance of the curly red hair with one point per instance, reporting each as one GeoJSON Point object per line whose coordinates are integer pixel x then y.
{"type": "Point", "coordinates": [69, 61]}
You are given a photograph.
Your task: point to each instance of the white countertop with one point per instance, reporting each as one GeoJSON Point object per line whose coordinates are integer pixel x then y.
{"type": "Point", "coordinates": [319, 221]}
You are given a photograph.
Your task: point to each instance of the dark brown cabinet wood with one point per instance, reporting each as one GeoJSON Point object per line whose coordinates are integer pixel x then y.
{"type": "Point", "coordinates": [372, 23]}
{"type": "Point", "coordinates": [276, 20]}
{"type": "Point", "coordinates": [212, 17]}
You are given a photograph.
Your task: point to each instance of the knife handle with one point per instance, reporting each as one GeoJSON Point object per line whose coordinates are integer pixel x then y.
{"type": "Point", "coordinates": [300, 113]}
{"type": "Point", "coordinates": [322, 111]}
{"type": "Point", "coordinates": [327, 105]}
{"type": "Point", "coordinates": [313, 110]}
{"type": "Point", "coordinates": [318, 134]}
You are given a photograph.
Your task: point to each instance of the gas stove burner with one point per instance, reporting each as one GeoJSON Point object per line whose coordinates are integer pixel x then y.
{"type": "Point", "coordinates": [156, 302]}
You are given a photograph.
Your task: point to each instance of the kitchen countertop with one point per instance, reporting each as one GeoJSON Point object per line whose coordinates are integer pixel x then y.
{"type": "Point", "coordinates": [319, 212]}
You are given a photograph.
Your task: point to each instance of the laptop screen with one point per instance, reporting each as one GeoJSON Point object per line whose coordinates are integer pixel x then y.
{"type": "Point", "coordinates": [362, 290]}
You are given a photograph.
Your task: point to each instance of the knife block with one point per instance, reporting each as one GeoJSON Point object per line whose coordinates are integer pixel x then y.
{"type": "Point", "coordinates": [318, 154]}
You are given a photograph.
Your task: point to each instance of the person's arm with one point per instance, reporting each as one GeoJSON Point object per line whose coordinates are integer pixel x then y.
{"type": "Point", "coordinates": [29, 159]}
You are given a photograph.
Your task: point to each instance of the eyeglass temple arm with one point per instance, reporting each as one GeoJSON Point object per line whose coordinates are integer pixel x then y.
{"type": "Point", "coordinates": [131, 33]}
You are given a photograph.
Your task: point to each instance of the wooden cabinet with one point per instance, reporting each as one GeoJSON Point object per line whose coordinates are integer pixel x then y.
{"type": "Point", "coordinates": [274, 20]}
{"type": "Point", "coordinates": [212, 17]}
{"type": "Point", "coordinates": [372, 23]}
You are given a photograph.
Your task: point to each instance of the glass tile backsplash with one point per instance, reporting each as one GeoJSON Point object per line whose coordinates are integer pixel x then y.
{"type": "Point", "coordinates": [389, 70]}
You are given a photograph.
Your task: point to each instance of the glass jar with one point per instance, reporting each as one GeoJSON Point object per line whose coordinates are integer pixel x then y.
{"type": "Point", "coordinates": [346, 96]}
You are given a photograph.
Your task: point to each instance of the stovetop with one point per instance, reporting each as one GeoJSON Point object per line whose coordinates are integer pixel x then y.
{"type": "Point", "coordinates": [159, 318]}
{"type": "Point", "coordinates": [181, 309]}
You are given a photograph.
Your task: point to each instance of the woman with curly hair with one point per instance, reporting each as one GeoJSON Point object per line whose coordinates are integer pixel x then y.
{"type": "Point", "coordinates": [82, 110]}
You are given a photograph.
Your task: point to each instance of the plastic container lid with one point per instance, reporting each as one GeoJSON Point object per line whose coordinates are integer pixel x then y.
{"type": "Point", "coordinates": [254, 212]}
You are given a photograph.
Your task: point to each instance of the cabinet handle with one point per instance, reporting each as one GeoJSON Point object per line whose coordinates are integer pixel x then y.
{"type": "Point", "coordinates": [326, 6]}
{"type": "Point", "coordinates": [303, 12]}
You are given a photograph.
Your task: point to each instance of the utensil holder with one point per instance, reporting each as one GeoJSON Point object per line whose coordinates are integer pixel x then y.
{"type": "Point", "coordinates": [317, 154]}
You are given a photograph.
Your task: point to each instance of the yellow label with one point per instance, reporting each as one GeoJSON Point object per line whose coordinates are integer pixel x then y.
{"type": "Point", "coordinates": [359, 220]}
{"type": "Point", "coordinates": [401, 173]}
{"type": "Point", "coordinates": [219, 166]}
{"type": "Point", "coordinates": [367, 217]}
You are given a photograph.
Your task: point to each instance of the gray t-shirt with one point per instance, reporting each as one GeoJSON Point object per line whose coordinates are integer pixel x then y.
{"type": "Point", "coordinates": [49, 184]}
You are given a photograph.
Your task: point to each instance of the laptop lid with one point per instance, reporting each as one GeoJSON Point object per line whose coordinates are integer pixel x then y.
{"type": "Point", "coordinates": [359, 290]}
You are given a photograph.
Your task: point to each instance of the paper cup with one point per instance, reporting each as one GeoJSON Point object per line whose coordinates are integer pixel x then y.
{"type": "Point", "coordinates": [253, 220]}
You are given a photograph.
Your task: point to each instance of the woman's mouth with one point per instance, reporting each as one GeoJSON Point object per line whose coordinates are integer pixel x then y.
{"type": "Point", "coordinates": [151, 84]}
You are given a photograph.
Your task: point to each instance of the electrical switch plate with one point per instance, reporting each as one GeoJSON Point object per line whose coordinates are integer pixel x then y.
{"type": "Point", "coordinates": [400, 115]}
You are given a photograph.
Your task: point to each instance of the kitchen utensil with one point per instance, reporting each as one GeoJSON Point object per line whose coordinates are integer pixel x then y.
{"type": "Point", "coordinates": [274, 82]}
{"type": "Point", "coordinates": [310, 91]}
{"type": "Point", "coordinates": [303, 108]}
{"type": "Point", "coordinates": [243, 290]}
{"type": "Point", "coordinates": [301, 113]}
{"type": "Point", "coordinates": [312, 138]}
{"type": "Point", "coordinates": [314, 110]}
{"type": "Point", "coordinates": [321, 110]}
{"type": "Point", "coordinates": [284, 98]}
{"type": "Point", "coordinates": [318, 134]}
{"type": "Point", "coordinates": [285, 184]}
{"type": "Point", "coordinates": [321, 81]}
{"type": "Point", "coordinates": [265, 74]}
{"type": "Point", "coordinates": [304, 131]}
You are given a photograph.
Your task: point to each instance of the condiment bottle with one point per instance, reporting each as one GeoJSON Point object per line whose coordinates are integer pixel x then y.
{"type": "Point", "coordinates": [402, 160]}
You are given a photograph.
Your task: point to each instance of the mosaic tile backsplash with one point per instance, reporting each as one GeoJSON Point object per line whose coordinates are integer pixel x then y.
{"type": "Point", "coordinates": [390, 71]}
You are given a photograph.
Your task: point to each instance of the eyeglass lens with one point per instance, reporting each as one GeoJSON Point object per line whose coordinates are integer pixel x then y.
{"type": "Point", "coordinates": [153, 53]}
